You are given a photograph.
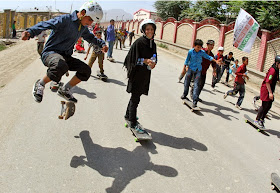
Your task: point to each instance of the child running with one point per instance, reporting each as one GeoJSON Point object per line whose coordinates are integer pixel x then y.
{"type": "Point", "coordinates": [137, 62]}
{"type": "Point", "coordinates": [217, 78]}
{"type": "Point", "coordinates": [239, 85]}
{"type": "Point", "coordinates": [66, 30]}
{"type": "Point", "coordinates": [96, 53]}
{"type": "Point", "coordinates": [267, 90]}
{"type": "Point", "coordinates": [193, 68]}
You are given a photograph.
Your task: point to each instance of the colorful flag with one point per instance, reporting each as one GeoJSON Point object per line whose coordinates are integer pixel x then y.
{"type": "Point", "coordinates": [245, 31]}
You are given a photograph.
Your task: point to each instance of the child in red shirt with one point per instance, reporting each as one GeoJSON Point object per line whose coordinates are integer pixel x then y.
{"type": "Point", "coordinates": [239, 85]}
{"type": "Point", "coordinates": [267, 90]}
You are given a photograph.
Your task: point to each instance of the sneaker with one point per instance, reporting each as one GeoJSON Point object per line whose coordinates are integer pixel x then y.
{"type": "Point", "coordinates": [180, 77]}
{"type": "Point", "coordinates": [225, 95]}
{"type": "Point", "coordinates": [194, 105]}
{"type": "Point", "coordinates": [38, 91]}
{"type": "Point", "coordinates": [184, 97]}
{"type": "Point", "coordinates": [259, 123]}
{"type": "Point", "coordinates": [66, 94]}
{"type": "Point", "coordinates": [139, 129]}
{"type": "Point", "coordinates": [237, 106]}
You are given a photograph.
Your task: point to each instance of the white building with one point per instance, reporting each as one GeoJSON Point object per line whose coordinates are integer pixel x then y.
{"type": "Point", "coordinates": [144, 14]}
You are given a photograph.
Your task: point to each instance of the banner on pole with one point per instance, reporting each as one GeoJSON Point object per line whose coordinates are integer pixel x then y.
{"type": "Point", "coordinates": [245, 31]}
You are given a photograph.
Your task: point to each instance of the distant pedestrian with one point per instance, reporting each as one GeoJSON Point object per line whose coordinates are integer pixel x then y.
{"type": "Point", "coordinates": [14, 29]}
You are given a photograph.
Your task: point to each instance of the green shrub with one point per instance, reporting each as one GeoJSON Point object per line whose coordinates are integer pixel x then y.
{"type": "Point", "coordinates": [2, 47]}
{"type": "Point", "coordinates": [163, 46]}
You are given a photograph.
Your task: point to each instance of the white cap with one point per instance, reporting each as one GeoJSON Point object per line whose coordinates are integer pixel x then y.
{"type": "Point", "coordinates": [93, 10]}
{"type": "Point", "coordinates": [221, 48]}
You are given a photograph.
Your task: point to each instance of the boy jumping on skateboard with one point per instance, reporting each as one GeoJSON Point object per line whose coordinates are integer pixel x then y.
{"type": "Point", "coordinates": [137, 62]}
{"type": "Point", "coordinates": [267, 90]}
{"type": "Point", "coordinates": [96, 53]}
{"type": "Point", "coordinates": [66, 30]}
{"type": "Point", "coordinates": [239, 85]}
{"type": "Point", "coordinates": [193, 68]}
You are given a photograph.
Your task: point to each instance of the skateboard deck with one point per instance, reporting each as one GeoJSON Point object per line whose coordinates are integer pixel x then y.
{"type": "Point", "coordinates": [67, 110]}
{"type": "Point", "coordinates": [138, 136]}
{"type": "Point", "coordinates": [54, 86]}
{"type": "Point", "coordinates": [252, 122]}
{"type": "Point", "coordinates": [103, 78]}
{"type": "Point", "coordinates": [275, 182]}
{"type": "Point", "coordinates": [189, 104]}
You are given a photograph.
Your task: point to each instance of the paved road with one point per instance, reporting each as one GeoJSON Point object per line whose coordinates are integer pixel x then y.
{"type": "Point", "coordinates": [210, 151]}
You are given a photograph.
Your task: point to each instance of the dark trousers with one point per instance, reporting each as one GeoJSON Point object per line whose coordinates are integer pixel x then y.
{"type": "Point", "coordinates": [217, 78]}
{"type": "Point", "coordinates": [225, 67]}
{"type": "Point", "coordinates": [263, 110]}
{"type": "Point", "coordinates": [201, 84]}
{"type": "Point", "coordinates": [58, 65]}
{"type": "Point", "coordinates": [131, 111]}
{"type": "Point", "coordinates": [14, 33]}
{"type": "Point", "coordinates": [238, 88]}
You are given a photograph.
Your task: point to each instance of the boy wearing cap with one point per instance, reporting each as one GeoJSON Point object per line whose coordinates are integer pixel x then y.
{"type": "Point", "coordinates": [66, 30]}
{"type": "Point", "coordinates": [228, 59]}
{"type": "Point", "coordinates": [205, 66]}
{"type": "Point", "coordinates": [219, 56]}
{"type": "Point", "coordinates": [193, 68]}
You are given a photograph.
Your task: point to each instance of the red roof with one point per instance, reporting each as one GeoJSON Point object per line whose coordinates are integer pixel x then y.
{"type": "Point", "coordinates": [143, 10]}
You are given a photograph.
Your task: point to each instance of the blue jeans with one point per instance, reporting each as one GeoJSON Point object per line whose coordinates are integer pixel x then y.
{"type": "Point", "coordinates": [238, 88]}
{"type": "Point", "coordinates": [110, 49]}
{"type": "Point", "coordinates": [189, 75]}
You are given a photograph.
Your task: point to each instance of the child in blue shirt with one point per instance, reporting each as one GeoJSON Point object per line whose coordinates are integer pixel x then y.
{"type": "Point", "coordinates": [193, 68]}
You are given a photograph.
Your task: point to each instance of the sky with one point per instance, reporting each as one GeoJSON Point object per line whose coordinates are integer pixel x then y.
{"type": "Point", "coordinates": [129, 6]}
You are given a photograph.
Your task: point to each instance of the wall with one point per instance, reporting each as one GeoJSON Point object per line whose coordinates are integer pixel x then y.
{"type": "Point", "coordinates": [181, 35]}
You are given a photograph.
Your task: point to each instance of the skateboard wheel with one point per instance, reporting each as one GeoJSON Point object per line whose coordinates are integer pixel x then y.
{"type": "Point", "coordinates": [60, 117]}
{"type": "Point", "coordinates": [272, 187]}
{"type": "Point", "coordinates": [246, 121]}
{"type": "Point", "coordinates": [126, 125]}
{"type": "Point", "coordinates": [136, 140]}
{"type": "Point", "coordinates": [258, 130]}
{"type": "Point", "coordinates": [63, 102]}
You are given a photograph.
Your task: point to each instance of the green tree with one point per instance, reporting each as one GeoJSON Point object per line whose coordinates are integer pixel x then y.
{"type": "Point", "coordinates": [167, 9]}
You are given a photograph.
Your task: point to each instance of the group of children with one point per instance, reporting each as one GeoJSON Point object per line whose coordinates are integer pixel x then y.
{"type": "Point", "coordinates": [140, 60]}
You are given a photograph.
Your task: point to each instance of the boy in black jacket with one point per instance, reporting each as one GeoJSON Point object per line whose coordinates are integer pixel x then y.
{"type": "Point", "coordinates": [138, 63]}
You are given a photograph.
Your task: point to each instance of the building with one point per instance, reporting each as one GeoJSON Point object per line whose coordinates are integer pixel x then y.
{"type": "Point", "coordinates": [144, 14]}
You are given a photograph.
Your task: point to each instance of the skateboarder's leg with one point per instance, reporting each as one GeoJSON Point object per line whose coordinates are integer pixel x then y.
{"type": "Point", "coordinates": [187, 83]}
{"type": "Point", "coordinates": [182, 73]}
{"type": "Point", "coordinates": [83, 72]}
{"type": "Point", "coordinates": [196, 86]}
{"type": "Point", "coordinates": [92, 59]}
{"type": "Point", "coordinates": [132, 108]}
{"type": "Point", "coordinates": [100, 62]}
{"type": "Point", "coordinates": [201, 84]}
{"type": "Point", "coordinates": [241, 94]}
{"type": "Point", "coordinates": [266, 107]}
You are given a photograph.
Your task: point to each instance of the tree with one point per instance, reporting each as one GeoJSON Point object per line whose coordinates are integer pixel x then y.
{"type": "Point", "coordinates": [167, 9]}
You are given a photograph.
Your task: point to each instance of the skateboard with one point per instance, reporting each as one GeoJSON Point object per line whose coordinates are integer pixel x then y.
{"type": "Point", "coordinates": [67, 110]}
{"type": "Point", "coordinates": [189, 104]}
{"type": "Point", "coordinates": [103, 78]}
{"type": "Point", "coordinates": [275, 182]}
{"type": "Point", "coordinates": [138, 136]}
{"type": "Point", "coordinates": [252, 122]}
{"type": "Point", "coordinates": [54, 86]}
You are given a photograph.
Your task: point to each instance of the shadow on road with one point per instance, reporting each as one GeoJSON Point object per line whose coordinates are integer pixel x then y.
{"type": "Point", "coordinates": [218, 110]}
{"type": "Point", "coordinates": [273, 132]}
{"type": "Point", "coordinates": [110, 80]}
{"type": "Point", "coordinates": [119, 163]}
{"type": "Point", "coordinates": [82, 91]}
{"type": "Point", "coordinates": [177, 143]}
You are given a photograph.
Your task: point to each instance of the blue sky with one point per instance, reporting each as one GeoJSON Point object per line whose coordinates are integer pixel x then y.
{"type": "Point", "coordinates": [128, 6]}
